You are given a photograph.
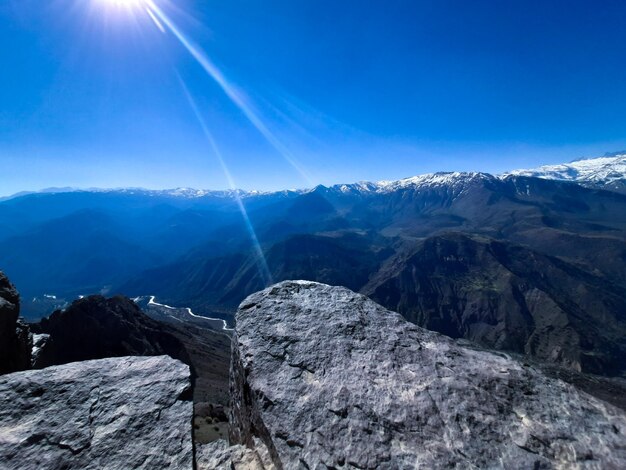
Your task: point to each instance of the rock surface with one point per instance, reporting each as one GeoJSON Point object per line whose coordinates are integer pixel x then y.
{"type": "Point", "coordinates": [327, 378]}
{"type": "Point", "coordinates": [218, 455]}
{"type": "Point", "coordinates": [40, 342]}
{"type": "Point", "coordinates": [118, 413]}
{"type": "Point", "coordinates": [15, 341]}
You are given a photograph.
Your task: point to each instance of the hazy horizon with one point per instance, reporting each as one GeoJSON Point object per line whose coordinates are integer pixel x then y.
{"type": "Point", "coordinates": [251, 189]}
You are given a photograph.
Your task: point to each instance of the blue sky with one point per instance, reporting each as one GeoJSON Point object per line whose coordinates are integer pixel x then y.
{"type": "Point", "coordinates": [351, 90]}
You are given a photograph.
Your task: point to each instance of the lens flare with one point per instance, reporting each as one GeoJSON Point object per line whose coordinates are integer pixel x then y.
{"type": "Point", "coordinates": [261, 261]}
{"type": "Point", "coordinates": [237, 97]}
{"type": "Point", "coordinates": [155, 20]}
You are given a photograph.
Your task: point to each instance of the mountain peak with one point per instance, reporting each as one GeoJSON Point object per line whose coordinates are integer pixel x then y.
{"type": "Point", "coordinates": [433, 179]}
{"type": "Point", "coordinates": [606, 171]}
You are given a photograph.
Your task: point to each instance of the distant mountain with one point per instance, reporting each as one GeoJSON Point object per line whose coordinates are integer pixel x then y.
{"type": "Point", "coordinates": [607, 172]}
{"type": "Point", "coordinates": [194, 249]}
{"type": "Point", "coordinates": [181, 193]}
{"type": "Point", "coordinates": [77, 243]}
{"type": "Point", "coordinates": [539, 265]}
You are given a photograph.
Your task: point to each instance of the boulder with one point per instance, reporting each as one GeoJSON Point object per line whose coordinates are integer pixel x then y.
{"type": "Point", "coordinates": [326, 378]}
{"type": "Point", "coordinates": [40, 343]}
{"type": "Point", "coordinates": [116, 413]}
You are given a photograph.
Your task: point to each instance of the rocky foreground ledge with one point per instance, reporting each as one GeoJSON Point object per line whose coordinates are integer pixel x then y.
{"type": "Point", "coordinates": [118, 413]}
{"type": "Point", "coordinates": [325, 378]}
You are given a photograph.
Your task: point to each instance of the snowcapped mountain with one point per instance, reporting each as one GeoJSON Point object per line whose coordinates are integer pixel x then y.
{"type": "Point", "coordinates": [607, 172]}
{"type": "Point", "coordinates": [432, 180]}
{"type": "Point", "coordinates": [177, 193]}
{"type": "Point", "coordinates": [192, 193]}
{"type": "Point", "coordinates": [426, 181]}
{"type": "Point", "coordinates": [449, 180]}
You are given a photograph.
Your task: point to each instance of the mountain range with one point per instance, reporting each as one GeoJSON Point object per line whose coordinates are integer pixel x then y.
{"type": "Point", "coordinates": [604, 172]}
{"type": "Point", "coordinates": [610, 168]}
{"type": "Point", "coordinates": [532, 261]}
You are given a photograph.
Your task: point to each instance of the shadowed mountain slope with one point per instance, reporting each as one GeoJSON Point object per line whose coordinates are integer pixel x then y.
{"type": "Point", "coordinates": [96, 327]}
{"type": "Point", "coordinates": [508, 297]}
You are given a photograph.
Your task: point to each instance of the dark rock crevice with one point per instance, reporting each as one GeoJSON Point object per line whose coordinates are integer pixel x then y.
{"type": "Point", "coordinates": [245, 417]}
{"type": "Point", "coordinates": [15, 338]}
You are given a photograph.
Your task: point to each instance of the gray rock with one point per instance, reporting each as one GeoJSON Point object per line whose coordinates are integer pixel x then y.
{"type": "Point", "coordinates": [218, 455]}
{"type": "Point", "coordinates": [40, 343]}
{"type": "Point", "coordinates": [327, 378]}
{"type": "Point", "coordinates": [116, 413]}
{"type": "Point", "coordinates": [15, 338]}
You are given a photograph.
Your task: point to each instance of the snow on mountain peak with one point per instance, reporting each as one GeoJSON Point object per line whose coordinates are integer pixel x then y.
{"type": "Point", "coordinates": [431, 180]}
{"type": "Point", "coordinates": [452, 180]}
{"type": "Point", "coordinates": [595, 170]}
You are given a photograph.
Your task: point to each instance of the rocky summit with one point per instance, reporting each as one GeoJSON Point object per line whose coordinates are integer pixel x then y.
{"type": "Point", "coordinates": [118, 413]}
{"type": "Point", "coordinates": [326, 378]}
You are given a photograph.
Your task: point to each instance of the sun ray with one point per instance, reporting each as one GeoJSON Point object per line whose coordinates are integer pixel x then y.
{"type": "Point", "coordinates": [262, 262]}
{"type": "Point", "coordinates": [235, 95]}
{"type": "Point", "coordinates": [155, 20]}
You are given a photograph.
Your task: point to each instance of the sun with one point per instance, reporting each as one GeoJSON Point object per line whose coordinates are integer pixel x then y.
{"type": "Point", "coordinates": [120, 9]}
{"type": "Point", "coordinates": [124, 2]}
{"type": "Point", "coordinates": [128, 4]}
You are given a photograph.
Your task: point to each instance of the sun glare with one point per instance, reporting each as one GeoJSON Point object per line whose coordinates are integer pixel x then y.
{"type": "Point", "coordinates": [128, 4]}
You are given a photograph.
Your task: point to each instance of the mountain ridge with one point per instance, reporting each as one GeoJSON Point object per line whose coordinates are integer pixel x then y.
{"type": "Point", "coordinates": [606, 172]}
{"type": "Point", "coordinates": [610, 167]}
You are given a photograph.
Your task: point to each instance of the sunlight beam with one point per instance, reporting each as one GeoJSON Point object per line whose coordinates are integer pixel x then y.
{"type": "Point", "coordinates": [155, 20]}
{"type": "Point", "coordinates": [236, 96]}
{"type": "Point", "coordinates": [262, 262]}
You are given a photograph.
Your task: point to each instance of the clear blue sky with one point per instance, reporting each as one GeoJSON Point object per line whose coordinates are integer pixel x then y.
{"type": "Point", "coordinates": [353, 89]}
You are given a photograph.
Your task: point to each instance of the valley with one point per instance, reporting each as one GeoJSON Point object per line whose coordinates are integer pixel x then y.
{"type": "Point", "coordinates": [527, 264]}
